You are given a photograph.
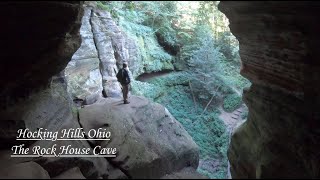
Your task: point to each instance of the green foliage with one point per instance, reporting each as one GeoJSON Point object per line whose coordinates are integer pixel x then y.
{"type": "Point", "coordinates": [173, 79]}
{"type": "Point", "coordinates": [229, 72]}
{"type": "Point", "coordinates": [232, 102]}
{"type": "Point", "coordinates": [160, 15]}
{"type": "Point", "coordinates": [207, 47]}
{"type": "Point", "coordinates": [147, 90]}
{"type": "Point", "coordinates": [220, 174]}
{"type": "Point", "coordinates": [132, 17]}
{"type": "Point", "coordinates": [205, 11]}
{"type": "Point", "coordinates": [228, 46]}
{"type": "Point", "coordinates": [100, 5]}
{"type": "Point", "coordinates": [206, 129]}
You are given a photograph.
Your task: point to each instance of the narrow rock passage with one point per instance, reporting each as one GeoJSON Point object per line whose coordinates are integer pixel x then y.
{"type": "Point", "coordinates": [231, 120]}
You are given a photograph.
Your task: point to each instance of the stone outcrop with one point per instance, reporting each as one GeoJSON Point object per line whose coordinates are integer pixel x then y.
{"type": "Point", "coordinates": [82, 73]}
{"type": "Point", "coordinates": [35, 35]}
{"type": "Point", "coordinates": [279, 49]}
{"type": "Point", "coordinates": [105, 46]}
{"type": "Point", "coordinates": [109, 43]}
{"type": "Point", "coordinates": [73, 173]}
{"type": "Point", "coordinates": [27, 170]}
{"type": "Point", "coordinates": [150, 143]}
{"type": "Point", "coordinates": [35, 52]}
{"type": "Point", "coordinates": [185, 173]}
{"type": "Point", "coordinates": [38, 40]}
{"type": "Point", "coordinates": [93, 67]}
{"type": "Point", "coordinates": [51, 108]}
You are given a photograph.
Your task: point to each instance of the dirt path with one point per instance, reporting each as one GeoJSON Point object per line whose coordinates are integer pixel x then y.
{"type": "Point", "coordinates": [231, 120]}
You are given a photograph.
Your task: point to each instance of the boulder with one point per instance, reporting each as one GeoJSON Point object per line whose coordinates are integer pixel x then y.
{"type": "Point", "coordinates": [38, 40]}
{"type": "Point", "coordinates": [90, 167]}
{"type": "Point", "coordinates": [149, 141]}
{"type": "Point", "coordinates": [73, 173]}
{"type": "Point", "coordinates": [185, 173]}
{"type": "Point", "coordinates": [27, 170]}
{"type": "Point", "coordinates": [92, 98]}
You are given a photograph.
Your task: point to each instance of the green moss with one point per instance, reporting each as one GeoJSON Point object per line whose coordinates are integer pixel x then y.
{"type": "Point", "coordinates": [147, 90]}
{"type": "Point", "coordinates": [172, 79]}
{"type": "Point", "coordinates": [207, 130]}
{"type": "Point", "coordinates": [232, 102]}
{"type": "Point", "coordinates": [151, 56]}
{"type": "Point", "coordinates": [102, 6]}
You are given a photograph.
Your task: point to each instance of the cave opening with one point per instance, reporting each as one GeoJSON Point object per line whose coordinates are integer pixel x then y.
{"type": "Point", "coordinates": [181, 54]}
{"type": "Point", "coordinates": [279, 54]}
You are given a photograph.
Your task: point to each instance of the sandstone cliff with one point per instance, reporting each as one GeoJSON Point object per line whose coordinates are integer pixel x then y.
{"type": "Point", "coordinates": [34, 95]}
{"type": "Point", "coordinates": [279, 49]}
{"type": "Point", "coordinates": [104, 47]}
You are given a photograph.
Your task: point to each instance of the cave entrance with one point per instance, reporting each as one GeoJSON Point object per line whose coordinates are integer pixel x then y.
{"type": "Point", "coordinates": [204, 89]}
{"type": "Point", "coordinates": [181, 55]}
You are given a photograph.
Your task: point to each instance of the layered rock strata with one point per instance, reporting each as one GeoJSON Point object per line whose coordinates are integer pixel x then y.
{"type": "Point", "coordinates": [279, 50]}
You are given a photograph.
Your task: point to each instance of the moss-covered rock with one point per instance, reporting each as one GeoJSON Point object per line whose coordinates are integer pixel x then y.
{"type": "Point", "coordinates": [231, 102]}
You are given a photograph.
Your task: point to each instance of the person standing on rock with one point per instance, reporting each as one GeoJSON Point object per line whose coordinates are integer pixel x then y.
{"type": "Point", "coordinates": [123, 77]}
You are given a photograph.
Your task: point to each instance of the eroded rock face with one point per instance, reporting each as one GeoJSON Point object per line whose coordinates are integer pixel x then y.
{"type": "Point", "coordinates": [35, 35]}
{"type": "Point", "coordinates": [150, 143]}
{"type": "Point", "coordinates": [82, 73]}
{"type": "Point", "coordinates": [93, 67]}
{"type": "Point", "coordinates": [73, 173]}
{"type": "Point", "coordinates": [38, 39]}
{"type": "Point", "coordinates": [185, 173]}
{"type": "Point", "coordinates": [279, 49]}
{"type": "Point", "coordinates": [106, 33]}
{"type": "Point", "coordinates": [104, 48]}
{"type": "Point", "coordinates": [26, 170]}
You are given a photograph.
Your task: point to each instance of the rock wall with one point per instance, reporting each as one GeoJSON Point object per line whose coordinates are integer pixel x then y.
{"type": "Point", "coordinates": [92, 68]}
{"type": "Point", "coordinates": [38, 40]}
{"type": "Point", "coordinates": [104, 48]}
{"type": "Point", "coordinates": [83, 69]}
{"type": "Point", "coordinates": [30, 41]}
{"type": "Point", "coordinates": [30, 96]}
{"type": "Point", "coordinates": [279, 49]}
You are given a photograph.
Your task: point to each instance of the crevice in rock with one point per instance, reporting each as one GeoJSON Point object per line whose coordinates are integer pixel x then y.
{"type": "Point", "coordinates": [171, 49]}
{"type": "Point", "coordinates": [117, 165]}
{"type": "Point", "coordinates": [117, 54]}
{"type": "Point", "coordinates": [95, 45]}
{"type": "Point", "coordinates": [92, 145]}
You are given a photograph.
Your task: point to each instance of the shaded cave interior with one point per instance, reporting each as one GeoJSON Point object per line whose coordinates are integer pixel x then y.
{"type": "Point", "coordinates": [279, 47]}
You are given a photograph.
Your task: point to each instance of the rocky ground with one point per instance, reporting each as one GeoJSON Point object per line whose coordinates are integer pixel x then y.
{"type": "Point", "coordinates": [150, 143]}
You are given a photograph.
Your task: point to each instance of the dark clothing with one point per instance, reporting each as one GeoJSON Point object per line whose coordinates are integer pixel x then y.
{"type": "Point", "coordinates": [125, 84]}
{"type": "Point", "coordinates": [125, 77]}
